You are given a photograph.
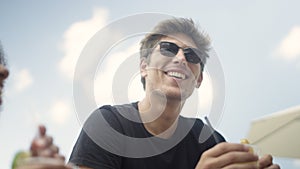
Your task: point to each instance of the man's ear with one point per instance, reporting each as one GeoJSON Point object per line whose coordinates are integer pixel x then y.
{"type": "Point", "coordinates": [143, 67]}
{"type": "Point", "coordinates": [199, 80]}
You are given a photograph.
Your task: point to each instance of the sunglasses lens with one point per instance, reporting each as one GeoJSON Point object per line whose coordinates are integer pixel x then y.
{"type": "Point", "coordinates": [168, 49]}
{"type": "Point", "coordinates": [191, 56]}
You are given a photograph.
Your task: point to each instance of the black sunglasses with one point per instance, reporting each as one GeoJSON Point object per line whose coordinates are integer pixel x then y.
{"type": "Point", "coordinates": [170, 49]}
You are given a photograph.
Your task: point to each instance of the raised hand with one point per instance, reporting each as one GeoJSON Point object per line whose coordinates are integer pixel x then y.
{"type": "Point", "coordinates": [233, 155]}
{"type": "Point", "coordinates": [43, 154]}
{"type": "Point", "coordinates": [42, 145]}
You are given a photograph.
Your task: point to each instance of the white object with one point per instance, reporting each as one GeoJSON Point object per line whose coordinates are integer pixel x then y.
{"type": "Point", "coordinates": [277, 134]}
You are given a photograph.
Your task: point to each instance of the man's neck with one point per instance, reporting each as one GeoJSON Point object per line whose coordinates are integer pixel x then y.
{"type": "Point", "coordinates": [160, 115]}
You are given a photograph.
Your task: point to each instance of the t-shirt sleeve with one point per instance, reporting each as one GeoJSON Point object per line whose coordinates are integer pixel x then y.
{"type": "Point", "coordinates": [206, 135]}
{"type": "Point", "coordinates": [220, 137]}
{"type": "Point", "coordinates": [94, 147]}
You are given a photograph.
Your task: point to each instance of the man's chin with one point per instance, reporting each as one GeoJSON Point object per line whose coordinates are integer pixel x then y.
{"type": "Point", "coordinates": [177, 96]}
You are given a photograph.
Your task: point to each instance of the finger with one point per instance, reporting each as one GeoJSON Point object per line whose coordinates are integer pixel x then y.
{"type": "Point", "coordinates": [44, 141]}
{"type": "Point", "coordinates": [45, 166]}
{"type": "Point", "coordinates": [48, 140]}
{"type": "Point", "coordinates": [265, 161]}
{"type": "Point", "coordinates": [224, 148]}
{"type": "Point", "coordinates": [49, 152]}
{"type": "Point", "coordinates": [42, 130]}
{"type": "Point", "coordinates": [71, 165]}
{"type": "Point", "coordinates": [37, 145]}
{"type": "Point", "coordinates": [45, 153]}
{"type": "Point", "coordinates": [274, 166]}
{"type": "Point", "coordinates": [235, 157]}
{"type": "Point", "coordinates": [54, 149]}
{"type": "Point", "coordinates": [60, 157]}
{"type": "Point", "coordinates": [43, 163]}
{"type": "Point", "coordinates": [242, 165]}
{"type": "Point", "coordinates": [40, 144]}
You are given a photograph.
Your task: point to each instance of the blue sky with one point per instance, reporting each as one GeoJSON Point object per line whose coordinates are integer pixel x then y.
{"type": "Point", "coordinates": [257, 43]}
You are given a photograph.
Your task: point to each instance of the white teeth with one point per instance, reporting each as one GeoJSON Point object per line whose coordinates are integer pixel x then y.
{"type": "Point", "coordinates": [177, 75]}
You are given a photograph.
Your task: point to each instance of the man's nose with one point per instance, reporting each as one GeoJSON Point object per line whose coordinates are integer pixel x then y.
{"type": "Point", "coordinates": [180, 56]}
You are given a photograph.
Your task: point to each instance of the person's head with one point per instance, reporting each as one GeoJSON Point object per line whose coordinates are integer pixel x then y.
{"type": "Point", "coordinates": [172, 39]}
{"type": "Point", "coordinates": [3, 71]}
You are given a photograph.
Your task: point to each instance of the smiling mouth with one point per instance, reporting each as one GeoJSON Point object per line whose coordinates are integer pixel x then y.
{"type": "Point", "coordinates": [176, 75]}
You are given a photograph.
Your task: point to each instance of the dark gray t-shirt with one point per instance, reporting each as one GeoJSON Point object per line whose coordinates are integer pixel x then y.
{"type": "Point", "coordinates": [111, 139]}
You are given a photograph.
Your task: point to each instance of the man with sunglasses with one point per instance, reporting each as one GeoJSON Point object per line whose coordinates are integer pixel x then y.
{"type": "Point", "coordinates": [151, 133]}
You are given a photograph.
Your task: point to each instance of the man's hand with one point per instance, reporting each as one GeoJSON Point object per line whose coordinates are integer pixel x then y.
{"type": "Point", "coordinates": [228, 155]}
{"type": "Point", "coordinates": [43, 163]}
{"type": "Point", "coordinates": [44, 154]}
{"type": "Point", "coordinates": [267, 163]}
{"type": "Point", "coordinates": [42, 146]}
{"type": "Point", "coordinates": [232, 155]}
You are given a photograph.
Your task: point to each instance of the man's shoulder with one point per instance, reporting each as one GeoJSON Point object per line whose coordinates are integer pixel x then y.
{"type": "Point", "coordinates": [113, 115]}
{"type": "Point", "coordinates": [201, 131]}
{"type": "Point", "coordinates": [195, 122]}
{"type": "Point", "coordinates": [128, 111]}
{"type": "Point", "coordinates": [119, 107]}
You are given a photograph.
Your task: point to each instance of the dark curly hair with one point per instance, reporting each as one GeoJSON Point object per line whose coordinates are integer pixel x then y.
{"type": "Point", "coordinates": [2, 57]}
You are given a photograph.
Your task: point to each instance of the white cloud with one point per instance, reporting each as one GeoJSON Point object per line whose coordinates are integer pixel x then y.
{"type": "Point", "coordinates": [199, 104]}
{"type": "Point", "coordinates": [205, 93]}
{"type": "Point", "coordinates": [296, 163]}
{"type": "Point", "coordinates": [108, 71]}
{"type": "Point", "coordinates": [75, 38]}
{"type": "Point", "coordinates": [135, 88]}
{"type": "Point", "coordinates": [60, 111]}
{"type": "Point", "coordinates": [289, 48]}
{"type": "Point", "coordinates": [22, 80]}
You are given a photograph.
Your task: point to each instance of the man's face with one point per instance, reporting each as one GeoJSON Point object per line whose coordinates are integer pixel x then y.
{"type": "Point", "coordinates": [173, 76]}
{"type": "Point", "coordinates": [3, 76]}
